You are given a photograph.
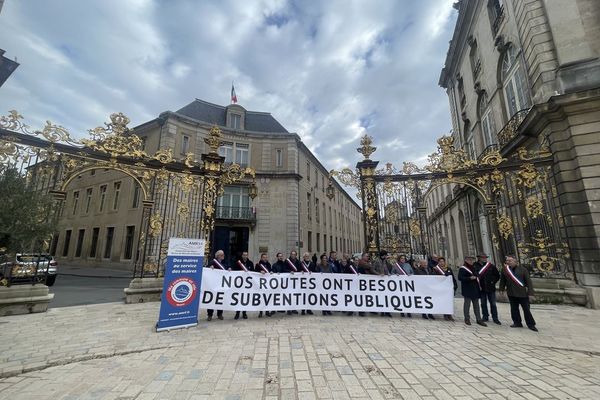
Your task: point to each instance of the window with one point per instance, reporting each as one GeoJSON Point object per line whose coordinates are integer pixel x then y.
{"type": "Point", "coordinates": [234, 203]}
{"type": "Point", "coordinates": [129, 236]}
{"type": "Point", "coordinates": [236, 121]}
{"type": "Point", "coordinates": [75, 201]}
{"type": "Point", "coordinates": [309, 206]}
{"type": "Point", "coordinates": [117, 189]}
{"type": "Point", "coordinates": [325, 243]}
{"type": "Point", "coordinates": [324, 215]}
{"type": "Point", "coordinates": [93, 172]}
{"type": "Point", "coordinates": [316, 178]}
{"type": "Point", "coordinates": [323, 183]}
{"type": "Point", "coordinates": [279, 158]}
{"type": "Point", "coordinates": [102, 197]}
{"type": "Point", "coordinates": [88, 199]}
{"type": "Point", "coordinates": [470, 144]}
{"type": "Point", "coordinates": [331, 243]}
{"type": "Point", "coordinates": [308, 171]}
{"type": "Point", "coordinates": [241, 154]}
{"type": "Point", "coordinates": [110, 232]}
{"type": "Point", "coordinates": [136, 195]}
{"type": "Point", "coordinates": [185, 144]}
{"type": "Point", "coordinates": [496, 14]}
{"type": "Point", "coordinates": [488, 129]}
{"type": "Point", "coordinates": [330, 223]}
{"type": "Point", "coordinates": [226, 150]}
{"type": "Point", "coordinates": [80, 236]}
{"type": "Point", "coordinates": [516, 90]}
{"type": "Point", "coordinates": [143, 139]}
{"type": "Point", "coordinates": [317, 209]}
{"type": "Point", "coordinates": [309, 240]}
{"type": "Point", "coordinates": [461, 92]}
{"type": "Point", "coordinates": [94, 244]}
{"type": "Point", "coordinates": [67, 242]}
{"type": "Point", "coordinates": [318, 242]}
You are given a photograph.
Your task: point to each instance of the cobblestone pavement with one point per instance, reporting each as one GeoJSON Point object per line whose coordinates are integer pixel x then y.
{"type": "Point", "coordinates": [110, 351]}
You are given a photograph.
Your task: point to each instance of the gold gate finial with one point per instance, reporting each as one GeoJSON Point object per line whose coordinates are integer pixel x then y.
{"type": "Point", "coordinates": [214, 139]}
{"type": "Point", "coordinates": [365, 146]}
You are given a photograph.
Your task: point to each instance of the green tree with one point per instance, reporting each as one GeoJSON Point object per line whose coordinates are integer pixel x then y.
{"type": "Point", "coordinates": [26, 215]}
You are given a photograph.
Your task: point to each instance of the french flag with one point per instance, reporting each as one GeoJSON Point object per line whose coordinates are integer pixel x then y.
{"type": "Point", "coordinates": [233, 95]}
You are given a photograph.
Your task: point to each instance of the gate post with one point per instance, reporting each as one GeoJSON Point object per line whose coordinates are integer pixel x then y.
{"type": "Point", "coordinates": [366, 169]}
{"type": "Point", "coordinates": [490, 215]}
{"type": "Point", "coordinates": [213, 185]}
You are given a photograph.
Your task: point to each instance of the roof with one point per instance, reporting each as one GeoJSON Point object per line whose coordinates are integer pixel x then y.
{"type": "Point", "coordinates": [255, 121]}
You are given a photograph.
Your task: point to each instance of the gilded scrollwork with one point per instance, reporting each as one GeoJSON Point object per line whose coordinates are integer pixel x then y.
{"type": "Point", "coordinates": [155, 225]}
{"type": "Point", "coordinates": [534, 207]}
{"type": "Point", "coordinates": [366, 148]}
{"type": "Point", "coordinates": [448, 158]}
{"type": "Point", "coordinates": [544, 254]}
{"type": "Point", "coordinates": [505, 225]}
{"type": "Point", "coordinates": [529, 176]}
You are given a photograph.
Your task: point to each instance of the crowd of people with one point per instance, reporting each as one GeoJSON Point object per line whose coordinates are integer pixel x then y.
{"type": "Point", "coordinates": [478, 279]}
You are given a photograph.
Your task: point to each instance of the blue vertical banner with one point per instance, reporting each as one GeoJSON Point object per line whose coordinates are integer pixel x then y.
{"type": "Point", "coordinates": [181, 289]}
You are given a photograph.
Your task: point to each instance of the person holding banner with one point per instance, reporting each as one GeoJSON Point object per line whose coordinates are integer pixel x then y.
{"type": "Point", "coordinates": [421, 269]}
{"type": "Point", "coordinates": [335, 263]}
{"type": "Point", "coordinates": [380, 266]}
{"type": "Point", "coordinates": [264, 267]}
{"type": "Point", "coordinates": [348, 268]}
{"type": "Point", "coordinates": [441, 268]}
{"type": "Point", "coordinates": [307, 267]}
{"type": "Point", "coordinates": [488, 277]}
{"type": "Point", "coordinates": [324, 267]}
{"type": "Point", "coordinates": [469, 283]}
{"type": "Point", "coordinates": [519, 288]}
{"type": "Point", "coordinates": [401, 267]}
{"type": "Point", "coordinates": [219, 263]}
{"type": "Point", "coordinates": [243, 265]}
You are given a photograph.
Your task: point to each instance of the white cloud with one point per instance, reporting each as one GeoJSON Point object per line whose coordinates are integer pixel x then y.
{"type": "Point", "coordinates": [329, 71]}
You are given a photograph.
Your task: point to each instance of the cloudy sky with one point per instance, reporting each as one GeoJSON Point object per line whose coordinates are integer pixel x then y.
{"type": "Point", "coordinates": [328, 70]}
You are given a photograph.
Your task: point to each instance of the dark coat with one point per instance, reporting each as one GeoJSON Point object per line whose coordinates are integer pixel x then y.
{"type": "Point", "coordinates": [248, 264]}
{"type": "Point", "coordinates": [280, 266]}
{"type": "Point", "coordinates": [311, 266]}
{"type": "Point", "coordinates": [448, 272]}
{"type": "Point", "coordinates": [421, 271]}
{"type": "Point", "coordinates": [267, 264]}
{"type": "Point", "coordinates": [296, 263]}
{"type": "Point", "coordinates": [488, 280]}
{"type": "Point", "coordinates": [324, 268]}
{"type": "Point", "coordinates": [365, 267]}
{"type": "Point", "coordinates": [335, 266]}
{"type": "Point", "coordinates": [469, 287]}
{"type": "Point", "coordinates": [223, 263]}
{"type": "Point", "coordinates": [512, 289]}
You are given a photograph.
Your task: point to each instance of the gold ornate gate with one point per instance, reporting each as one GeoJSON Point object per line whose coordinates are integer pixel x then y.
{"type": "Point", "coordinates": [516, 194]}
{"type": "Point", "coordinates": [178, 196]}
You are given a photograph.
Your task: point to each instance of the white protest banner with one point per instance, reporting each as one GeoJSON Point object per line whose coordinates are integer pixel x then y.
{"type": "Point", "coordinates": [251, 291]}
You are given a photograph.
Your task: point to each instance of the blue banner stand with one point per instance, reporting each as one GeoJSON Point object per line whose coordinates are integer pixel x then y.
{"type": "Point", "coordinates": [180, 298]}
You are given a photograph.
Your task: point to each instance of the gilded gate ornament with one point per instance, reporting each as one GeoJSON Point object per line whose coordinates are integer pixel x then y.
{"type": "Point", "coordinates": [544, 261]}
{"type": "Point", "coordinates": [365, 146]}
{"type": "Point", "coordinates": [534, 207]}
{"type": "Point", "coordinates": [528, 176]}
{"type": "Point", "coordinates": [505, 225]}
{"type": "Point", "coordinates": [155, 225]}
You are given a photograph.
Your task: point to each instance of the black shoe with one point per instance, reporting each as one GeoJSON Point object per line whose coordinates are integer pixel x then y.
{"type": "Point", "coordinates": [260, 314]}
{"type": "Point", "coordinates": [361, 314]}
{"type": "Point", "coordinates": [303, 312]}
{"type": "Point", "coordinates": [533, 328]}
{"type": "Point", "coordinates": [349, 313]}
{"type": "Point", "coordinates": [450, 318]}
{"type": "Point", "coordinates": [382, 314]}
{"type": "Point", "coordinates": [294, 312]}
{"type": "Point", "coordinates": [323, 312]}
{"type": "Point", "coordinates": [220, 317]}
{"type": "Point", "coordinates": [237, 315]}
{"type": "Point", "coordinates": [409, 315]}
{"type": "Point", "coordinates": [402, 314]}
{"type": "Point", "coordinates": [424, 316]}
{"type": "Point", "coordinates": [244, 315]}
{"type": "Point", "coordinates": [289, 313]}
{"type": "Point", "coordinates": [209, 318]}
{"type": "Point", "coordinates": [516, 326]}
{"type": "Point", "coordinates": [467, 322]}
{"type": "Point", "coordinates": [329, 313]}
{"type": "Point", "coordinates": [485, 319]}
{"type": "Point", "coordinates": [430, 316]}
{"type": "Point", "coordinates": [481, 323]}
{"type": "Point", "coordinates": [387, 314]}
{"type": "Point", "coordinates": [309, 312]}
{"type": "Point", "coordinates": [269, 314]}
{"type": "Point", "coordinates": [497, 322]}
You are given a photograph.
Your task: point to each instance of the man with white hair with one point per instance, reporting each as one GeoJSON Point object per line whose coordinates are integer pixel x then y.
{"type": "Point", "coordinates": [219, 263]}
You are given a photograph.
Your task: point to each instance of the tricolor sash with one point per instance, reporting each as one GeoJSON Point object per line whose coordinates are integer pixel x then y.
{"type": "Point", "coordinates": [291, 264]}
{"type": "Point", "coordinates": [439, 270]}
{"type": "Point", "coordinates": [241, 264]}
{"type": "Point", "coordinates": [305, 267]}
{"type": "Point", "coordinates": [485, 268]}
{"type": "Point", "coordinates": [352, 269]}
{"type": "Point", "coordinates": [218, 264]}
{"type": "Point", "coordinates": [512, 276]}
{"type": "Point", "coordinates": [402, 272]}
{"type": "Point", "coordinates": [263, 267]}
{"type": "Point", "coordinates": [470, 273]}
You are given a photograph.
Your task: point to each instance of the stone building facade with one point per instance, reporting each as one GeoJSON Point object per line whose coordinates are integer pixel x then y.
{"type": "Point", "coordinates": [526, 73]}
{"type": "Point", "coordinates": [101, 217]}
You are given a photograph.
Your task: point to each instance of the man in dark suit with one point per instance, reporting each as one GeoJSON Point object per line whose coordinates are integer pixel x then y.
{"type": "Point", "coordinates": [219, 263]}
{"type": "Point", "coordinates": [469, 284]}
{"type": "Point", "coordinates": [519, 288]}
{"type": "Point", "coordinates": [488, 277]}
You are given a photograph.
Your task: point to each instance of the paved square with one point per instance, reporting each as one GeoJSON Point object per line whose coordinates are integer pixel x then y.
{"type": "Point", "coordinates": [110, 351]}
